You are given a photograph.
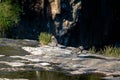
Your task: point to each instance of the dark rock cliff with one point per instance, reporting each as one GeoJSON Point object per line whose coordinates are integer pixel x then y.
{"type": "Point", "coordinates": [73, 22]}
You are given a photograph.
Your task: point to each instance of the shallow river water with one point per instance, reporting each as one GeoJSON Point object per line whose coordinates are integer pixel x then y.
{"type": "Point", "coordinates": [47, 75]}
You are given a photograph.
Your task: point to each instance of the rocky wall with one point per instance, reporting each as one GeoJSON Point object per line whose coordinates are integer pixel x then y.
{"type": "Point", "coordinates": [73, 22]}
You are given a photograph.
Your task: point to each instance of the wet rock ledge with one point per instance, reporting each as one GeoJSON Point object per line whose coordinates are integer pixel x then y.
{"type": "Point", "coordinates": [32, 56]}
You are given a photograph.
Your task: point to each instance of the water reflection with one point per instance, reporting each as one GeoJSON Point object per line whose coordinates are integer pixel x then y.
{"type": "Point", "coordinates": [48, 75]}
{"type": "Point", "coordinates": [38, 75]}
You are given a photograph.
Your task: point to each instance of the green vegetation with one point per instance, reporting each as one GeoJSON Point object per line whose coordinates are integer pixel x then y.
{"type": "Point", "coordinates": [92, 50]}
{"type": "Point", "coordinates": [111, 51]}
{"type": "Point", "coordinates": [9, 15]}
{"type": "Point", "coordinates": [44, 38]}
{"type": "Point", "coordinates": [108, 51]}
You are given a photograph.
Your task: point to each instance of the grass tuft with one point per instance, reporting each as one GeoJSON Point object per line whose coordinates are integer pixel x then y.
{"type": "Point", "coordinates": [111, 51]}
{"type": "Point", "coordinates": [45, 38]}
{"type": "Point", "coordinates": [107, 51]}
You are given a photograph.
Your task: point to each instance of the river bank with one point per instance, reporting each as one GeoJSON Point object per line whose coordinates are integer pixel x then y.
{"type": "Point", "coordinates": [29, 55]}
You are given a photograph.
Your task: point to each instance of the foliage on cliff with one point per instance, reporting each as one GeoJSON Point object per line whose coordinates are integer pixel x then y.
{"type": "Point", "coordinates": [9, 14]}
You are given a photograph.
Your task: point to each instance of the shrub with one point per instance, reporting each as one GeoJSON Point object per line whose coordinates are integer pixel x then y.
{"type": "Point", "coordinates": [45, 38]}
{"type": "Point", "coordinates": [9, 14]}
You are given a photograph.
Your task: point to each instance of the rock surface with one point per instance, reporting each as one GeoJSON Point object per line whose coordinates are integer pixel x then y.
{"type": "Point", "coordinates": [75, 63]}
{"type": "Point", "coordinates": [60, 58]}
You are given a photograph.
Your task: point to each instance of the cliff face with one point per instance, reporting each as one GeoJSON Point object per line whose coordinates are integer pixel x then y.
{"type": "Point", "coordinates": [100, 22]}
{"type": "Point", "coordinates": [65, 15]}
{"type": "Point", "coordinates": [73, 22]}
